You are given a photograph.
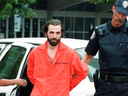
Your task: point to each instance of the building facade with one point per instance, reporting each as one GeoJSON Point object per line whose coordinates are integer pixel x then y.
{"type": "Point", "coordinates": [76, 19]}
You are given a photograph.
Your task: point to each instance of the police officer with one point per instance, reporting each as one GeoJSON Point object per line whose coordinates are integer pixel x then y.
{"type": "Point", "coordinates": [111, 39]}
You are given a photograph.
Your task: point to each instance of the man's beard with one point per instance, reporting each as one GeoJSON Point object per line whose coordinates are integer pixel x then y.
{"type": "Point", "coordinates": [53, 43]}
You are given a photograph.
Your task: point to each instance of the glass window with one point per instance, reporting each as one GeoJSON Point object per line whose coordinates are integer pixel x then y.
{"type": "Point", "coordinates": [104, 20]}
{"type": "Point", "coordinates": [69, 34]}
{"type": "Point", "coordinates": [35, 27]}
{"type": "Point", "coordinates": [27, 27]}
{"type": "Point", "coordinates": [79, 7]}
{"type": "Point", "coordinates": [11, 27]}
{"type": "Point", "coordinates": [78, 24]}
{"type": "Point", "coordinates": [42, 22]}
{"type": "Point", "coordinates": [2, 47]}
{"type": "Point", "coordinates": [69, 23]}
{"type": "Point", "coordinates": [42, 5]}
{"type": "Point", "coordinates": [10, 63]}
{"type": "Point", "coordinates": [79, 35]}
{"type": "Point", "coordinates": [71, 8]}
{"type": "Point", "coordinates": [90, 7]}
{"type": "Point", "coordinates": [79, 28]}
{"type": "Point", "coordinates": [89, 21]}
{"type": "Point", "coordinates": [61, 9]}
{"type": "Point", "coordinates": [3, 26]}
{"type": "Point", "coordinates": [86, 36]}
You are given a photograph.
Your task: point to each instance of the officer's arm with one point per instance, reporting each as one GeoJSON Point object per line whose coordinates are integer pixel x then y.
{"type": "Point", "coordinates": [87, 58]}
{"type": "Point", "coordinates": [7, 82]}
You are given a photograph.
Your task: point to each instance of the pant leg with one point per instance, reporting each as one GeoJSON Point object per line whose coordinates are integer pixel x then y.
{"type": "Point", "coordinates": [122, 89]}
{"type": "Point", "coordinates": [106, 88]}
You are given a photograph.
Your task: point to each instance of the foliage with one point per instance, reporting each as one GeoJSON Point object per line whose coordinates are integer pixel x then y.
{"type": "Point", "coordinates": [12, 7]}
{"type": "Point", "coordinates": [102, 1]}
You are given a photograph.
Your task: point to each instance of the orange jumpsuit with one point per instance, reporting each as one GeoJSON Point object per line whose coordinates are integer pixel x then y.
{"type": "Point", "coordinates": [55, 79]}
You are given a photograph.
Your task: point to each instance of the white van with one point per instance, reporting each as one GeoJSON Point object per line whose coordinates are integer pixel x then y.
{"type": "Point", "coordinates": [13, 64]}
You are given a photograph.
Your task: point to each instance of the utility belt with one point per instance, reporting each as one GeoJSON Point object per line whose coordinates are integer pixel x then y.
{"type": "Point", "coordinates": [110, 78]}
{"type": "Point", "coordinates": [113, 78]}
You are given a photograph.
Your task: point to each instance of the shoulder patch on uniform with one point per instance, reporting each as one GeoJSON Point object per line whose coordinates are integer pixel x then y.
{"type": "Point", "coordinates": [93, 35]}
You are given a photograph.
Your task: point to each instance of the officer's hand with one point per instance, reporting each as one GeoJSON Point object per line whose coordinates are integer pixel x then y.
{"type": "Point", "coordinates": [21, 82]}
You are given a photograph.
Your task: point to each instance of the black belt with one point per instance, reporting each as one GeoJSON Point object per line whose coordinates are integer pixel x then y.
{"type": "Point", "coordinates": [112, 78]}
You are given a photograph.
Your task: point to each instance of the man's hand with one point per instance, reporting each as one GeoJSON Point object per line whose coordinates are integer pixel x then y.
{"type": "Point", "coordinates": [74, 75]}
{"type": "Point", "coordinates": [21, 82]}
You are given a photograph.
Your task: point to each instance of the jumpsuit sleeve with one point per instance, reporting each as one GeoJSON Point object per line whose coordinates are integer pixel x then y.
{"type": "Point", "coordinates": [30, 69]}
{"type": "Point", "coordinates": [79, 68]}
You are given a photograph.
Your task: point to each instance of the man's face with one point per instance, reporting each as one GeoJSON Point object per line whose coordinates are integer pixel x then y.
{"type": "Point", "coordinates": [54, 34]}
{"type": "Point", "coordinates": [118, 18]}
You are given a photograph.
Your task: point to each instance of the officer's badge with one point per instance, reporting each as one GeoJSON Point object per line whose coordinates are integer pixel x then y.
{"type": "Point", "coordinates": [125, 4]}
{"type": "Point", "coordinates": [93, 35]}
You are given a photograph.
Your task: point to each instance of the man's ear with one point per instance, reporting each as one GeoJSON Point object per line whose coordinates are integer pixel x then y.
{"type": "Point", "coordinates": [113, 8]}
{"type": "Point", "coordinates": [45, 33]}
{"type": "Point", "coordinates": [63, 31]}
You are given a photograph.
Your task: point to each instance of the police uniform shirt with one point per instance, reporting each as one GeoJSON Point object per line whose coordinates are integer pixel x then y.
{"type": "Point", "coordinates": [106, 63]}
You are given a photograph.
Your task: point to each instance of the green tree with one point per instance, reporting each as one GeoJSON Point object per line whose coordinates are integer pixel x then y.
{"type": "Point", "coordinates": [102, 1]}
{"type": "Point", "coordinates": [12, 7]}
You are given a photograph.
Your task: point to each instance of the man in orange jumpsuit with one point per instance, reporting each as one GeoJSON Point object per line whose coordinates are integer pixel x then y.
{"type": "Point", "coordinates": [52, 65]}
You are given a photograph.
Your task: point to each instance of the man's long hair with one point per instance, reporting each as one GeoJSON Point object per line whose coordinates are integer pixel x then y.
{"type": "Point", "coordinates": [52, 22]}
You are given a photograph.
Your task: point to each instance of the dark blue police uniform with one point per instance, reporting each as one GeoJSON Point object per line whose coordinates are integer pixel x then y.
{"type": "Point", "coordinates": [112, 44]}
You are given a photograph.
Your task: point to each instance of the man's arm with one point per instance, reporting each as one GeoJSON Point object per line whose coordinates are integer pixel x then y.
{"type": "Point", "coordinates": [79, 70]}
{"type": "Point", "coordinates": [87, 58]}
{"type": "Point", "coordinates": [7, 82]}
{"type": "Point", "coordinates": [30, 69]}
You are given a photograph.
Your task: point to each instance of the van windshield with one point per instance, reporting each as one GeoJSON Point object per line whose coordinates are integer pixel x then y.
{"type": "Point", "coordinates": [2, 47]}
{"type": "Point", "coordinates": [10, 63]}
{"type": "Point", "coordinates": [80, 52]}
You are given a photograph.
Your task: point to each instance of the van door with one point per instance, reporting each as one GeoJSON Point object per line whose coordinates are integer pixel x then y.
{"type": "Point", "coordinates": [11, 65]}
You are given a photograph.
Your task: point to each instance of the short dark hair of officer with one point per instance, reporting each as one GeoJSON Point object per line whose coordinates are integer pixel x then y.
{"type": "Point", "coordinates": [52, 22]}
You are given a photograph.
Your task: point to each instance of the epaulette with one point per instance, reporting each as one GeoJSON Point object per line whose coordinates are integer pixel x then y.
{"type": "Point", "coordinates": [101, 29]}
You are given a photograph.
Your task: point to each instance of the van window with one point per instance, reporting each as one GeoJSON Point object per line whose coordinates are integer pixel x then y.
{"type": "Point", "coordinates": [95, 63]}
{"type": "Point", "coordinates": [80, 52]}
{"type": "Point", "coordinates": [2, 47]}
{"type": "Point", "coordinates": [10, 63]}
{"type": "Point", "coordinates": [95, 60]}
